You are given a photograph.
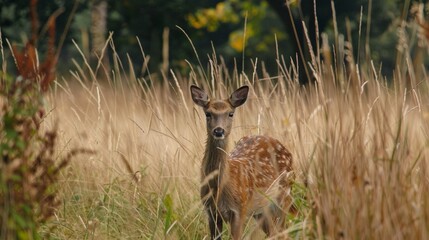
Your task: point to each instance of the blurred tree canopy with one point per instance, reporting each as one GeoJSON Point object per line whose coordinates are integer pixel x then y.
{"type": "Point", "coordinates": [218, 23]}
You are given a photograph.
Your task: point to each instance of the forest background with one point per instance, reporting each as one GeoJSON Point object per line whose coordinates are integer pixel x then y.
{"type": "Point", "coordinates": [156, 27]}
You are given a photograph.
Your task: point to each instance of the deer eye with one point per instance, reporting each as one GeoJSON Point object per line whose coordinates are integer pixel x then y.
{"type": "Point", "coordinates": [208, 115]}
{"type": "Point", "coordinates": [231, 114]}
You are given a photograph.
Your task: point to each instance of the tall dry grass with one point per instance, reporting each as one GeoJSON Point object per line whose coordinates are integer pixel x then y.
{"type": "Point", "coordinates": [360, 157]}
{"type": "Point", "coordinates": [359, 142]}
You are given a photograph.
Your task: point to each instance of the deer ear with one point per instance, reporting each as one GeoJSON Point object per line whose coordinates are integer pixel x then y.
{"type": "Point", "coordinates": [199, 96]}
{"type": "Point", "coordinates": [239, 96]}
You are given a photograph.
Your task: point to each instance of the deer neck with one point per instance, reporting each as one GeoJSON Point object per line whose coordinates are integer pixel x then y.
{"type": "Point", "coordinates": [215, 166]}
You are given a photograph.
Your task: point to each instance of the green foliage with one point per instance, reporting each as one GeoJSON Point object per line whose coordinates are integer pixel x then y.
{"type": "Point", "coordinates": [28, 166]}
{"type": "Point", "coordinates": [297, 228]}
{"type": "Point", "coordinates": [169, 216]}
{"type": "Point", "coordinates": [220, 23]}
{"type": "Point", "coordinates": [226, 21]}
{"type": "Point", "coordinates": [234, 13]}
{"type": "Point", "coordinates": [146, 21]}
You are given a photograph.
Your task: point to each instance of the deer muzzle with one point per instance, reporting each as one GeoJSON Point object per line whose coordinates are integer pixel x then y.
{"type": "Point", "coordinates": [219, 133]}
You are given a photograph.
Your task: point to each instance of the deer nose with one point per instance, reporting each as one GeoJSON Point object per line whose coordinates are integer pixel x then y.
{"type": "Point", "coordinates": [218, 132]}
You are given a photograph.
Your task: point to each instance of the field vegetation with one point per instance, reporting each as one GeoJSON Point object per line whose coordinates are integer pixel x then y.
{"type": "Point", "coordinates": [359, 143]}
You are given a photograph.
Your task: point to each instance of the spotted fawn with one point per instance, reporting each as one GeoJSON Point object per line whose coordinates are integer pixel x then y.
{"type": "Point", "coordinates": [253, 180]}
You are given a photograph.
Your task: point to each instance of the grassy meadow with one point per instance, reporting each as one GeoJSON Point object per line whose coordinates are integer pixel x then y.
{"type": "Point", "coordinates": [359, 144]}
{"type": "Point", "coordinates": [359, 140]}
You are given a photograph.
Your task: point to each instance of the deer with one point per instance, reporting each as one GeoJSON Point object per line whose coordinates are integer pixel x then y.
{"type": "Point", "coordinates": [253, 180]}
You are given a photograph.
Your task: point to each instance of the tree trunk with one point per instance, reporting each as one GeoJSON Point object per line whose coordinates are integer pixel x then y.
{"type": "Point", "coordinates": [98, 36]}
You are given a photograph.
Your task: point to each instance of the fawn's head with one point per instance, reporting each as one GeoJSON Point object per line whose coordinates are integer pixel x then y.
{"type": "Point", "coordinates": [219, 113]}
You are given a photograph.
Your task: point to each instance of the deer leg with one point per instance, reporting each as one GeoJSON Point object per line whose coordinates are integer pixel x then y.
{"type": "Point", "coordinates": [215, 224]}
{"type": "Point", "coordinates": [274, 219]}
{"type": "Point", "coordinates": [265, 222]}
{"type": "Point", "coordinates": [267, 225]}
{"type": "Point", "coordinates": [286, 206]}
{"type": "Point", "coordinates": [237, 220]}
